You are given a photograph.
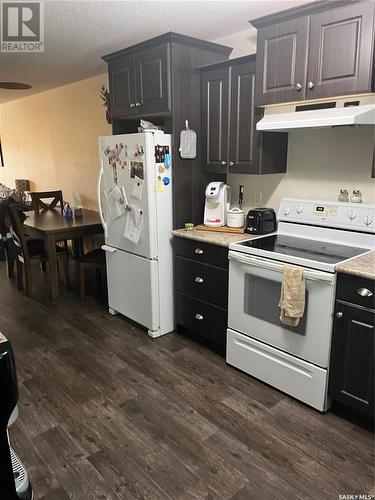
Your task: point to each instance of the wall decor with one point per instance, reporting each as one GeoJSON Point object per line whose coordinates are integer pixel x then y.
{"type": "Point", "coordinates": [104, 95]}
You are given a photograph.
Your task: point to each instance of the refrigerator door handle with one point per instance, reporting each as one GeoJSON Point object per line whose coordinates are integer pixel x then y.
{"type": "Point", "coordinates": [109, 249]}
{"type": "Point", "coordinates": [101, 173]}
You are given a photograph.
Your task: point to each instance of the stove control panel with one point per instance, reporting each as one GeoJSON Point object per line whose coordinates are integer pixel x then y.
{"type": "Point", "coordinates": [354, 216]}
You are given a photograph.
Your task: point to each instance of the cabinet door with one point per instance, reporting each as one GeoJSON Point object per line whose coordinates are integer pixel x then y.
{"type": "Point", "coordinates": [242, 143]}
{"type": "Point", "coordinates": [352, 358]}
{"type": "Point", "coordinates": [281, 62]}
{"type": "Point", "coordinates": [122, 87]}
{"type": "Point", "coordinates": [152, 73]}
{"type": "Point", "coordinates": [215, 116]}
{"type": "Point", "coordinates": [341, 51]}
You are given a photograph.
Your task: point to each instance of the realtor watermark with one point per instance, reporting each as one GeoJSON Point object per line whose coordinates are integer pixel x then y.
{"type": "Point", "coordinates": [356, 496]}
{"type": "Point", "coordinates": [22, 26]}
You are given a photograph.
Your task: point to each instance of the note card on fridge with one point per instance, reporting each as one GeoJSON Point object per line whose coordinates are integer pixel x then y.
{"type": "Point", "coordinates": [137, 188]}
{"type": "Point", "coordinates": [133, 226]}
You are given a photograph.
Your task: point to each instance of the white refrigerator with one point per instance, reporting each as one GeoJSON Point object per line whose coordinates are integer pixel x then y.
{"type": "Point", "coordinates": [135, 206]}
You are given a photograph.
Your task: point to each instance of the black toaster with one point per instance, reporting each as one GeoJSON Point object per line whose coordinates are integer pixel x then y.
{"type": "Point", "coordinates": [261, 221]}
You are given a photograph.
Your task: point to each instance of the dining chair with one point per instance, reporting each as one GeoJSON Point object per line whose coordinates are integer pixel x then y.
{"type": "Point", "coordinates": [55, 200]}
{"type": "Point", "coordinates": [95, 259]}
{"type": "Point", "coordinates": [32, 251]}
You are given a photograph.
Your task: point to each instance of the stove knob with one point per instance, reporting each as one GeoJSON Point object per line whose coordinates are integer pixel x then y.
{"type": "Point", "coordinates": [367, 219]}
{"type": "Point", "coordinates": [352, 215]}
{"type": "Point", "coordinates": [286, 210]}
{"type": "Point", "coordinates": [299, 209]}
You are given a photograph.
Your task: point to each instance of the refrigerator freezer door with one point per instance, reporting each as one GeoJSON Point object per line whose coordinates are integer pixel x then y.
{"type": "Point", "coordinates": [133, 287]}
{"type": "Point", "coordinates": [128, 162]}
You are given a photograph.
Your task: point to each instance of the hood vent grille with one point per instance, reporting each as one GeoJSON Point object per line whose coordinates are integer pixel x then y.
{"type": "Point", "coordinates": [319, 105]}
{"type": "Point", "coordinates": [343, 111]}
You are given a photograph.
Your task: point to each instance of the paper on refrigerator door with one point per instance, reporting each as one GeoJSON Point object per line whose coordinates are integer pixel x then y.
{"type": "Point", "coordinates": [137, 188]}
{"type": "Point", "coordinates": [133, 226]}
{"type": "Point", "coordinates": [115, 202]}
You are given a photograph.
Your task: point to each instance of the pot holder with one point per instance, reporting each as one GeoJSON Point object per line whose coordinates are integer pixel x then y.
{"type": "Point", "coordinates": [188, 143]}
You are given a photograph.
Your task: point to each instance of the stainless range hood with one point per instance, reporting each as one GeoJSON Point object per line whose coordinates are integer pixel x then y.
{"type": "Point", "coordinates": [354, 110]}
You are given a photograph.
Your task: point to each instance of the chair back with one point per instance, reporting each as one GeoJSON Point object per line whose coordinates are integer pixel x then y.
{"type": "Point", "coordinates": [18, 228]}
{"type": "Point", "coordinates": [55, 197]}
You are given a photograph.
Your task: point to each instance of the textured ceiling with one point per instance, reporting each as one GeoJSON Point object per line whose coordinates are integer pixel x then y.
{"type": "Point", "coordinates": [78, 33]}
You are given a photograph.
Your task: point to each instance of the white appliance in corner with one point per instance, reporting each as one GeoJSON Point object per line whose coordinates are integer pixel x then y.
{"type": "Point", "coordinates": [135, 206]}
{"type": "Point", "coordinates": [315, 236]}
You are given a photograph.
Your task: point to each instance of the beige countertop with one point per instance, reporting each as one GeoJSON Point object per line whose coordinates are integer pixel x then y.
{"type": "Point", "coordinates": [362, 266]}
{"type": "Point", "coordinates": [215, 238]}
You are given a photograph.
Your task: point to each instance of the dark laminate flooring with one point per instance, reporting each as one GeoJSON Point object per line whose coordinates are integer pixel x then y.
{"type": "Point", "coordinates": [108, 413]}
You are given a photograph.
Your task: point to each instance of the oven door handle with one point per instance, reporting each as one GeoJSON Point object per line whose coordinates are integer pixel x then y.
{"type": "Point", "coordinates": [279, 267]}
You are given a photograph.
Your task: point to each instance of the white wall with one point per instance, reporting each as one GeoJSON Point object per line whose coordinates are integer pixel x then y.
{"type": "Point", "coordinates": [243, 42]}
{"type": "Point", "coordinates": [320, 162]}
{"type": "Point", "coordinates": [51, 138]}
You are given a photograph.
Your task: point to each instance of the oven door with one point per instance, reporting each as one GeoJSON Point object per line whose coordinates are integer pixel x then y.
{"type": "Point", "coordinates": [254, 294]}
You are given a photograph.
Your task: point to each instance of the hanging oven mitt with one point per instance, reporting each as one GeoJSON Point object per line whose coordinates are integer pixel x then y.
{"type": "Point", "coordinates": [188, 143]}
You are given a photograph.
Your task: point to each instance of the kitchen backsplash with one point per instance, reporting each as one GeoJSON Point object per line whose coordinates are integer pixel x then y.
{"type": "Point", "coordinates": [320, 163]}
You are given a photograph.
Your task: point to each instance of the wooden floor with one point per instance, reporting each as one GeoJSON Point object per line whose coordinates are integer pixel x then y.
{"type": "Point", "coordinates": [108, 413]}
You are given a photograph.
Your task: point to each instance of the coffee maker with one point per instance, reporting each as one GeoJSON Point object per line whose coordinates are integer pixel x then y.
{"type": "Point", "coordinates": [215, 208]}
{"type": "Point", "coordinates": [14, 480]}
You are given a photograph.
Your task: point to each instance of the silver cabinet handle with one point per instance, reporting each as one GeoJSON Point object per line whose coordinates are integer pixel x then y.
{"type": "Point", "coordinates": [298, 86]}
{"type": "Point", "coordinates": [198, 251]}
{"type": "Point", "coordinates": [198, 279]}
{"type": "Point", "coordinates": [131, 105]}
{"type": "Point", "coordinates": [199, 317]}
{"type": "Point", "coordinates": [223, 163]}
{"type": "Point", "coordinates": [364, 292]}
{"type": "Point", "coordinates": [231, 164]}
{"type": "Point", "coordinates": [137, 104]}
{"type": "Point", "coordinates": [339, 315]}
{"type": "Point", "coordinates": [310, 85]}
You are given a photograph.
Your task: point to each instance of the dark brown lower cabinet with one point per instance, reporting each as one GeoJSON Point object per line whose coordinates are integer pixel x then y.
{"type": "Point", "coordinates": [201, 291]}
{"type": "Point", "coordinates": [352, 355]}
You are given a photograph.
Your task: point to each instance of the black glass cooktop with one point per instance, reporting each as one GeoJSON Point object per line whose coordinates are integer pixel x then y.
{"type": "Point", "coordinates": [319, 251]}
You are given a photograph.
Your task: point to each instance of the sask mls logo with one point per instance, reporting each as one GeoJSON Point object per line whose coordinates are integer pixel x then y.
{"type": "Point", "coordinates": [22, 26]}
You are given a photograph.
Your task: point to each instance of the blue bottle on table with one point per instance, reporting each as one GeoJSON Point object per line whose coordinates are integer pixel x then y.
{"type": "Point", "coordinates": [68, 214]}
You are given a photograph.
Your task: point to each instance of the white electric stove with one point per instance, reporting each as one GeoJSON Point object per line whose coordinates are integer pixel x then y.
{"type": "Point", "coordinates": [314, 235]}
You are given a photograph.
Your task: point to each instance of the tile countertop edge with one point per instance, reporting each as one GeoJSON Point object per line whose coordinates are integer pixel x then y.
{"type": "Point", "coordinates": [362, 266]}
{"type": "Point", "coordinates": [211, 237]}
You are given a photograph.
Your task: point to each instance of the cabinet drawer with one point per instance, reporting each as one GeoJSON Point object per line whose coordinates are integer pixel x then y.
{"type": "Point", "coordinates": [359, 291]}
{"type": "Point", "coordinates": [202, 281]}
{"type": "Point", "coordinates": [206, 320]}
{"type": "Point", "coordinates": [202, 252]}
{"type": "Point", "coordinates": [296, 377]}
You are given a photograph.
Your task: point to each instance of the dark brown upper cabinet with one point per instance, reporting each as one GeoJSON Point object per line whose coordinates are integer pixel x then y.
{"type": "Point", "coordinates": [159, 79]}
{"type": "Point", "coordinates": [281, 72]}
{"type": "Point", "coordinates": [139, 84]}
{"type": "Point", "coordinates": [122, 86]}
{"type": "Point", "coordinates": [321, 50]}
{"type": "Point", "coordinates": [230, 140]}
{"type": "Point", "coordinates": [215, 113]}
{"type": "Point", "coordinates": [152, 80]}
{"type": "Point", "coordinates": [341, 51]}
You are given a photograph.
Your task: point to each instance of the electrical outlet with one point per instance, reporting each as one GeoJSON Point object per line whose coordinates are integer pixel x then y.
{"type": "Point", "coordinates": [257, 199]}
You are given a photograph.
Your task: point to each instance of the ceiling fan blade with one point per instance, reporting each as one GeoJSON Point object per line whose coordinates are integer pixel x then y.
{"type": "Point", "coordinates": [14, 86]}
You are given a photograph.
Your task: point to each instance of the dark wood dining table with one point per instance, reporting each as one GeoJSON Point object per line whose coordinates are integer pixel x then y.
{"type": "Point", "coordinates": [51, 227]}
